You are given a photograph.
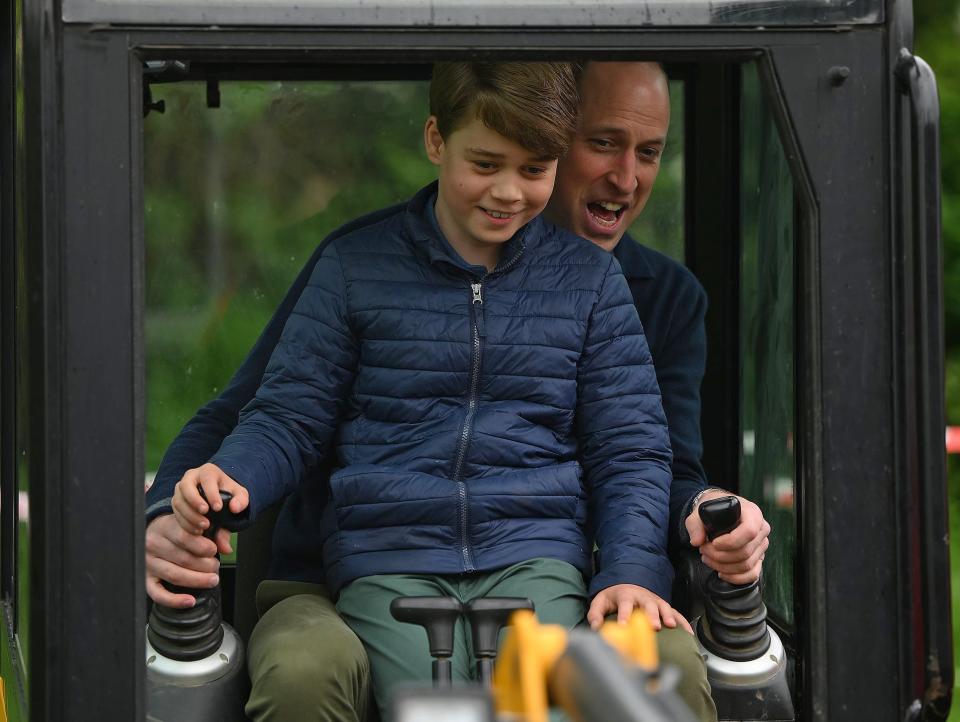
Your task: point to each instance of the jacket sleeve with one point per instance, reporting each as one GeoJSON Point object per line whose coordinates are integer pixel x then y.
{"type": "Point", "coordinates": [289, 424]}
{"type": "Point", "coordinates": [624, 445]}
{"type": "Point", "coordinates": [680, 361]}
{"type": "Point", "coordinates": [204, 433]}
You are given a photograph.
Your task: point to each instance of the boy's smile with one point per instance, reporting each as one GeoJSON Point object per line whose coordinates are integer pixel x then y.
{"type": "Point", "coordinates": [490, 186]}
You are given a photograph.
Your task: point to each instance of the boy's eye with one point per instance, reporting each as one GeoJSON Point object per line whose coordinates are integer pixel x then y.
{"type": "Point", "coordinates": [483, 165]}
{"type": "Point", "coordinates": [534, 170]}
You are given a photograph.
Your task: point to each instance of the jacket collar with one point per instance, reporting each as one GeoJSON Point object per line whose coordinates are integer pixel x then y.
{"type": "Point", "coordinates": [426, 237]}
{"type": "Point", "coordinates": [633, 259]}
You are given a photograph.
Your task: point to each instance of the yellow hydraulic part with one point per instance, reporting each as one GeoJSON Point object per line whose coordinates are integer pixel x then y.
{"type": "Point", "coordinates": [635, 640]}
{"type": "Point", "coordinates": [530, 650]}
{"type": "Point", "coordinates": [3, 703]}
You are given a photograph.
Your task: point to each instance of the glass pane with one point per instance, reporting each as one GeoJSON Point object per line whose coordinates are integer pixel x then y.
{"type": "Point", "coordinates": [660, 226]}
{"type": "Point", "coordinates": [767, 320]}
{"type": "Point", "coordinates": [238, 197]}
{"type": "Point", "coordinates": [549, 13]}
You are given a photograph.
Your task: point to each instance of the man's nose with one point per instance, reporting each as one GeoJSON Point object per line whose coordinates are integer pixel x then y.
{"type": "Point", "coordinates": [623, 173]}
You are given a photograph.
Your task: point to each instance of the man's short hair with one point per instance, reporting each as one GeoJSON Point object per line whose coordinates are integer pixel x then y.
{"type": "Point", "coordinates": [533, 104]}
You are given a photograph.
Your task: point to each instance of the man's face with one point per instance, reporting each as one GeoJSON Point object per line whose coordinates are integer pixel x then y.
{"type": "Point", "coordinates": [490, 186]}
{"type": "Point", "coordinates": [605, 179]}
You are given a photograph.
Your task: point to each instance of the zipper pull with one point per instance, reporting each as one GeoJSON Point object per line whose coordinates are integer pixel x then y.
{"type": "Point", "coordinates": [477, 289]}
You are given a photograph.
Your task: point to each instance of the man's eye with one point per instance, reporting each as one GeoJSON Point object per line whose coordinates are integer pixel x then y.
{"type": "Point", "coordinates": [650, 153]}
{"type": "Point", "coordinates": [601, 143]}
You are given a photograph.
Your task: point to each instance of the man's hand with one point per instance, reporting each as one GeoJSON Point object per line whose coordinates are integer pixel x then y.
{"type": "Point", "coordinates": [623, 598]}
{"type": "Point", "coordinates": [189, 507]}
{"type": "Point", "coordinates": [738, 555]}
{"type": "Point", "coordinates": [181, 558]}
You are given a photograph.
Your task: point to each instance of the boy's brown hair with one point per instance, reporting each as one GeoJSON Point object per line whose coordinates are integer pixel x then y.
{"type": "Point", "coordinates": [533, 104]}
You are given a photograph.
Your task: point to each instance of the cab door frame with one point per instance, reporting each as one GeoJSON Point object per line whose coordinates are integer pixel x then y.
{"type": "Point", "coordinates": [86, 263]}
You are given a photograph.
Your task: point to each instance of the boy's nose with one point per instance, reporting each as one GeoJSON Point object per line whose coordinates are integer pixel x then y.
{"type": "Point", "coordinates": [506, 191]}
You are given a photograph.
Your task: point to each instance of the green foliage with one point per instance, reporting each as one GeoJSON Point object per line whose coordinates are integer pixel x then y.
{"type": "Point", "coordinates": [937, 41]}
{"type": "Point", "coordinates": [237, 198]}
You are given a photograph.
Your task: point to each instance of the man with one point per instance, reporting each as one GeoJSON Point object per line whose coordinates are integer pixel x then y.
{"type": "Point", "coordinates": [602, 185]}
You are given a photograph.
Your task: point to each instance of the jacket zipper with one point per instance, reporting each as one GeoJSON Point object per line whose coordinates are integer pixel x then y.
{"type": "Point", "coordinates": [478, 332]}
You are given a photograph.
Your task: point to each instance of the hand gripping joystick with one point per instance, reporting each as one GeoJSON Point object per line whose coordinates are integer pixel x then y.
{"type": "Point", "coordinates": [438, 615]}
{"type": "Point", "coordinates": [746, 661]}
{"type": "Point", "coordinates": [195, 668]}
{"type": "Point", "coordinates": [487, 616]}
{"type": "Point", "coordinates": [735, 624]}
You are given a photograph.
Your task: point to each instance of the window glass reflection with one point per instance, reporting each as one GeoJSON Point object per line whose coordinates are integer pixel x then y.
{"type": "Point", "coordinates": [767, 322]}
{"type": "Point", "coordinates": [661, 225]}
{"type": "Point", "coordinates": [237, 198]}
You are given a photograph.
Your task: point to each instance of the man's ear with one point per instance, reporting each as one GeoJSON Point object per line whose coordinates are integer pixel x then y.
{"type": "Point", "coordinates": [432, 140]}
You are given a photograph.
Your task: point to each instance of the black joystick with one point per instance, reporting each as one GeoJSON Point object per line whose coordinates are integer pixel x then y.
{"type": "Point", "coordinates": [735, 618]}
{"type": "Point", "coordinates": [194, 633]}
{"type": "Point", "coordinates": [438, 616]}
{"type": "Point", "coordinates": [195, 665]}
{"type": "Point", "coordinates": [746, 661]}
{"type": "Point", "coordinates": [487, 616]}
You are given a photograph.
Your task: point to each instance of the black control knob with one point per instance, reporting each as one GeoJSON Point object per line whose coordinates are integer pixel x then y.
{"type": "Point", "coordinates": [487, 617]}
{"type": "Point", "coordinates": [438, 616]}
{"type": "Point", "coordinates": [720, 516]}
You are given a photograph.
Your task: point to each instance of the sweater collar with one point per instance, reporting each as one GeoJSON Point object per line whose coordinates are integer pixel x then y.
{"type": "Point", "coordinates": [632, 259]}
{"type": "Point", "coordinates": [424, 232]}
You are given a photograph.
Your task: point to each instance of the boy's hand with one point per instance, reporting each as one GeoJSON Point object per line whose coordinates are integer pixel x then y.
{"type": "Point", "coordinates": [623, 598]}
{"type": "Point", "coordinates": [737, 556]}
{"type": "Point", "coordinates": [189, 507]}
{"type": "Point", "coordinates": [180, 558]}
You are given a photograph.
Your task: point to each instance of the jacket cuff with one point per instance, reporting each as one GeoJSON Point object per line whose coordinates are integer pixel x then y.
{"type": "Point", "coordinates": [657, 578]}
{"type": "Point", "coordinates": [688, 510]}
{"type": "Point", "coordinates": [159, 508]}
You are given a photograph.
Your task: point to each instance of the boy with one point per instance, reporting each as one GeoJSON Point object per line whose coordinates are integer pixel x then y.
{"type": "Point", "coordinates": [485, 381]}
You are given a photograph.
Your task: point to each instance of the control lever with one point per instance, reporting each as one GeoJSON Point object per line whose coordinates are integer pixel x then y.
{"type": "Point", "coordinates": [746, 661]}
{"type": "Point", "coordinates": [438, 616]}
{"type": "Point", "coordinates": [487, 616]}
{"type": "Point", "coordinates": [735, 619]}
{"type": "Point", "coordinates": [195, 667]}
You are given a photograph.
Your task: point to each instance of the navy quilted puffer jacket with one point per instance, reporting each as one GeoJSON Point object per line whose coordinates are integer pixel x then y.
{"type": "Point", "coordinates": [477, 419]}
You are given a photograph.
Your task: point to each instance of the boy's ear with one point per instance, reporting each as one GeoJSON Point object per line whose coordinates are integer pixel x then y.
{"type": "Point", "coordinates": [432, 140]}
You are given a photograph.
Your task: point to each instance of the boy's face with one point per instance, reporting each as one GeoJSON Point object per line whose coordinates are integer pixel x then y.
{"type": "Point", "coordinates": [490, 186]}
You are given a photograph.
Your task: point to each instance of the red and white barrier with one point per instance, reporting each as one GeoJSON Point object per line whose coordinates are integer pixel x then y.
{"type": "Point", "coordinates": [953, 439]}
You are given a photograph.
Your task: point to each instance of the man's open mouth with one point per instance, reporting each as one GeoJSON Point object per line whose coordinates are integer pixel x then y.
{"type": "Point", "coordinates": [606, 213]}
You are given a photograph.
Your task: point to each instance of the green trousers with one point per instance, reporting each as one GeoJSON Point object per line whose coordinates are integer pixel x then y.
{"type": "Point", "coordinates": [307, 665]}
{"type": "Point", "coordinates": [398, 652]}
